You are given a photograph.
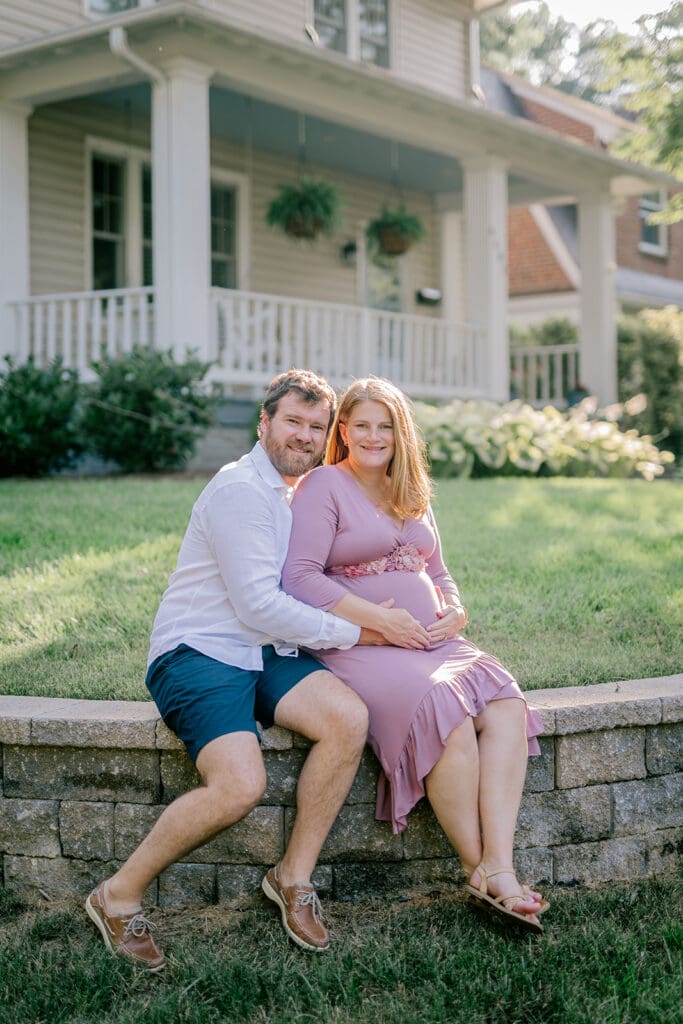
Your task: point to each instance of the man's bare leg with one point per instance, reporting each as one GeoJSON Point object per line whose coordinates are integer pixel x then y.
{"type": "Point", "coordinates": [234, 780]}
{"type": "Point", "coordinates": [326, 711]}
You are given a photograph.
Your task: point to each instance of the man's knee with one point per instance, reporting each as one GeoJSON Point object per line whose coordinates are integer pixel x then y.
{"type": "Point", "coordinates": [346, 713]}
{"type": "Point", "coordinates": [236, 786]}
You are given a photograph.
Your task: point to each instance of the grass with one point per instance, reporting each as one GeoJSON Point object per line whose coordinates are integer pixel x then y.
{"type": "Point", "coordinates": [611, 955]}
{"type": "Point", "coordinates": [567, 581]}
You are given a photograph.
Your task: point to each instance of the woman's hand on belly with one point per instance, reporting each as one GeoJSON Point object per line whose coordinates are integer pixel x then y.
{"type": "Point", "coordinates": [451, 620]}
{"type": "Point", "coordinates": [400, 629]}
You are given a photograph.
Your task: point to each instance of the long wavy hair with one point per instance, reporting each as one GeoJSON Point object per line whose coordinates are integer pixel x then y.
{"type": "Point", "coordinates": [411, 487]}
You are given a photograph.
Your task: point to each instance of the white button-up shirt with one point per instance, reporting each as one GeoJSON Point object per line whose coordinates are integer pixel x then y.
{"type": "Point", "coordinates": [224, 598]}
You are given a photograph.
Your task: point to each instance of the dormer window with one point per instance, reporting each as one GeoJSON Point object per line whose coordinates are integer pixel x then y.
{"type": "Point", "coordinates": [653, 237]}
{"type": "Point", "coordinates": [358, 28]}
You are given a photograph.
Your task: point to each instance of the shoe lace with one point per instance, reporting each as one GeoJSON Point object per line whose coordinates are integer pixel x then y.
{"type": "Point", "coordinates": [309, 898]}
{"type": "Point", "coordinates": [138, 926]}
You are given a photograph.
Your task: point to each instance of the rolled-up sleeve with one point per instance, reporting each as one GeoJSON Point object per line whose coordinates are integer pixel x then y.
{"type": "Point", "coordinates": [238, 521]}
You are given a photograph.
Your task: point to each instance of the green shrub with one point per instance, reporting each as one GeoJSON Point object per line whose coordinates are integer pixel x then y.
{"type": "Point", "coordinates": [480, 438]}
{"type": "Point", "coordinates": [147, 412]}
{"type": "Point", "coordinates": [39, 418]}
{"type": "Point", "coordinates": [553, 331]}
{"type": "Point", "coordinates": [650, 360]}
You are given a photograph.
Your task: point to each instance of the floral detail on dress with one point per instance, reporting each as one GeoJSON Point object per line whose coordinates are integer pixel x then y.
{"type": "Point", "coordinates": [403, 558]}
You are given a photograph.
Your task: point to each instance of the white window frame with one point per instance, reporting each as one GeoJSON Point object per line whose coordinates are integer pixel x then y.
{"type": "Point", "coordinates": [352, 22]}
{"type": "Point", "coordinates": [645, 207]}
{"type": "Point", "coordinates": [242, 185]}
{"type": "Point", "coordinates": [135, 158]}
{"type": "Point", "coordinates": [90, 13]}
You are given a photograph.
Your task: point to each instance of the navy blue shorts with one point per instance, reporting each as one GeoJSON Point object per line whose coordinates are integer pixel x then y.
{"type": "Point", "coordinates": [201, 699]}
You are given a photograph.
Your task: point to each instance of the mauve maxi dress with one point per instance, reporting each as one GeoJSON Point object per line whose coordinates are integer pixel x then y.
{"type": "Point", "coordinates": [415, 697]}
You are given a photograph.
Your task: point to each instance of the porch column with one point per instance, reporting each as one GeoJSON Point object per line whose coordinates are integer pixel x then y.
{"type": "Point", "coordinates": [598, 297]}
{"type": "Point", "coordinates": [14, 219]}
{"type": "Point", "coordinates": [181, 205]}
{"type": "Point", "coordinates": [485, 206]}
{"type": "Point", "coordinates": [451, 247]}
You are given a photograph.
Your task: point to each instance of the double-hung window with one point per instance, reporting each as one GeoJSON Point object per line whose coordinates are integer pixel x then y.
{"type": "Point", "coordinates": [653, 237]}
{"type": "Point", "coordinates": [358, 28]}
{"type": "Point", "coordinates": [104, 7]}
{"type": "Point", "coordinates": [120, 216]}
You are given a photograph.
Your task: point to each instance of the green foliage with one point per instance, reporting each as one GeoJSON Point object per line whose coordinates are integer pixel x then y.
{"type": "Point", "coordinates": [533, 44]}
{"type": "Point", "coordinates": [645, 71]}
{"type": "Point", "coordinates": [650, 360]}
{"type": "Point", "coordinates": [480, 438]}
{"type": "Point", "coordinates": [39, 418]}
{"type": "Point", "coordinates": [306, 209]}
{"type": "Point", "coordinates": [147, 411]}
{"type": "Point", "coordinates": [553, 331]}
{"type": "Point", "coordinates": [395, 230]}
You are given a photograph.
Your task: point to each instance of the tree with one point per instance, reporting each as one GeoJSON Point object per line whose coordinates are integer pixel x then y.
{"type": "Point", "coordinates": [532, 44]}
{"type": "Point", "coordinates": [646, 73]}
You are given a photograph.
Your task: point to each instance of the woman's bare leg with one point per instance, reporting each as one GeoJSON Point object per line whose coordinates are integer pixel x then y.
{"type": "Point", "coordinates": [453, 791]}
{"type": "Point", "coordinates": [501, 729]}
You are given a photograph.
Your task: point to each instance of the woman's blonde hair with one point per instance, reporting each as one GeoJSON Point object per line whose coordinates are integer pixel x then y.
{"type": "Point", "coordinates": [411, 487]}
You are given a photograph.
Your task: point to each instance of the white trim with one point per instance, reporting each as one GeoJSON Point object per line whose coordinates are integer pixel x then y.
{"type": "Point", "coordinates": [242, 187]}
{"type": "Point", "coordinates": [662, 247]}
{"type": "Point", "coordinates": [555, 243]}
{"type": "Point", "coordinates": [99, 15]}
{"type": "Point", "coordinates": [134, 158]}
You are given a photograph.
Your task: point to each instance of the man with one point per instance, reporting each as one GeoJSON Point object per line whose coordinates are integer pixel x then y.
{"type": "Point", "coordinates": [224, 654]}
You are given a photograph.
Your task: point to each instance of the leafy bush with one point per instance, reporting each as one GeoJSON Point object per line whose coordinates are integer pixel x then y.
{"type": "Point", "coordinates": [147, 412]}
{"type": "Point", "coordinates": [480, 438]}
{"type": "Point", "coordinates": [39, 418]}
{"type": "Point", "coordinates": [650, 359]}
{"type": "Point", "coordinates": [553, 331]}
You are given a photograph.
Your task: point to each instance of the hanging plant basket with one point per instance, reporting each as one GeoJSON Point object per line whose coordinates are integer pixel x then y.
{"type": "Point", "coordinates": [305, 210]}
{"type": "Point", "coordinates": [395, 231]}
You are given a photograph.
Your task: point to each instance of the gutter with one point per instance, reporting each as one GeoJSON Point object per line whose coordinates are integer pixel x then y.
{"type": "Point", "coordinates": [118, 44]}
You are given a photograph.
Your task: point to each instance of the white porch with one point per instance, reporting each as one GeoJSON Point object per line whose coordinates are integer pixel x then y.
{"type": "Point", "coordinates": [468, 163]}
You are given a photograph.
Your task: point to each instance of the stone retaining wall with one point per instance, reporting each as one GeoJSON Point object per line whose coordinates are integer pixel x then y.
{"type": "Point", "coordinates": [82, 782]}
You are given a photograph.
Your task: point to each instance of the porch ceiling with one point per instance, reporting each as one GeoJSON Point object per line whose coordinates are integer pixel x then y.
{"type": "Point", "coordinates": [265, 126]}
{"type": "Point", "coordinates": [369, 103]}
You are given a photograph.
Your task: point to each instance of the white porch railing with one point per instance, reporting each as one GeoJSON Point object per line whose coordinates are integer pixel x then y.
{"type": "Point", "coordinates": [544, 374]}
{"type": "Point", "coordinates": [81, 326]}
{"type": "Point", "coordinates": [255, 336]}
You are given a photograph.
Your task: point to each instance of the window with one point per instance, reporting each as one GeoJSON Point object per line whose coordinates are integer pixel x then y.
{"type": "Point", "coordinates": [108, 223]}
{"type": "Point", "coordinates": [104, 7]}
{"type": "Point", "coordinates": [120, 216]}
{"type": "Point", "coordinates": [223, 235]}
{"type": "Point", "coordinates": [653, 237]}
{"type": "Point", "coordinates": [358, 28]}
{"type": "Point", "coordinates": [384, 280]}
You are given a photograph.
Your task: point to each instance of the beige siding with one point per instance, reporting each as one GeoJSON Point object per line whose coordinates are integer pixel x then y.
{"type": "Point", "coordinates": [283, 17]}
{"type": "Point", "coordinates": [27, 19]}
{"type": "Point", "coordinates": [282, 266]}
{"type": "Point", "coordinates": [431, 45]}
{"type": "Point", "coordinates": [278, 265]}
{"type": "Point", "coordinates": [57, 189]}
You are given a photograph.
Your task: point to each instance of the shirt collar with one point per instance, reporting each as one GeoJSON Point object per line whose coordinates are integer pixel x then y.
{"type": "Point", "coordinates": [268, 473]}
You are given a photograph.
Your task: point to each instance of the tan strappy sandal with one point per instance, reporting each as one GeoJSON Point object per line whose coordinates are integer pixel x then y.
{"type": "Point", "coordinates": [501, 906]}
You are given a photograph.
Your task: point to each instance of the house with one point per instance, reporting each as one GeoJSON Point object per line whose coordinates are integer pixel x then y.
{"type": "Point", "coordinates": [543, 246]}
{"type": "Point", "coordinates": [140, 145]}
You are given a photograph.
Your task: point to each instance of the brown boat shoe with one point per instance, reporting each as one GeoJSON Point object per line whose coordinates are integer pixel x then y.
{"type": "Point", "coordinates": [128, 935]}
{"type": "Point", "coordinates": [301, 911]}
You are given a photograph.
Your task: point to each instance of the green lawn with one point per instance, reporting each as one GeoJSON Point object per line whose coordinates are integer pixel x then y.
{"type": "Point", "coordinates": [608, 956]}
{"type": "Point", "coordinates": [566, 581]}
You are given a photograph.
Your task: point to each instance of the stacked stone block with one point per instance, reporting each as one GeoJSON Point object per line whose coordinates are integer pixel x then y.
{"type": "Point", "coordinates": [83, 781]}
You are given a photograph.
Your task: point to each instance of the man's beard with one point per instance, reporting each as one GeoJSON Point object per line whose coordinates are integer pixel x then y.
{"type": "Point", "coordinates": [292, 462]}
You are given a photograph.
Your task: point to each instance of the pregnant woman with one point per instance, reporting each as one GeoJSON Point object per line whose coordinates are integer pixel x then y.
{"type": "Point", "coordinates": [446, 719]}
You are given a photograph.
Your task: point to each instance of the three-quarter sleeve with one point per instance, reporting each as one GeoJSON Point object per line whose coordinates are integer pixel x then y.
{"type": "Point", "coordinates": [436, 567]}
{"type": "Point", "coordinates": [315, 515]}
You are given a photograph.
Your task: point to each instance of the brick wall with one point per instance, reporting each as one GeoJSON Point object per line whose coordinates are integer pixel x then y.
{"type": "Point", "coordinates": [533, 268]}
{"type": "Point", "coordinates": [628, 238]}
{"type": "Point", "coordinates": [83, 781]}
